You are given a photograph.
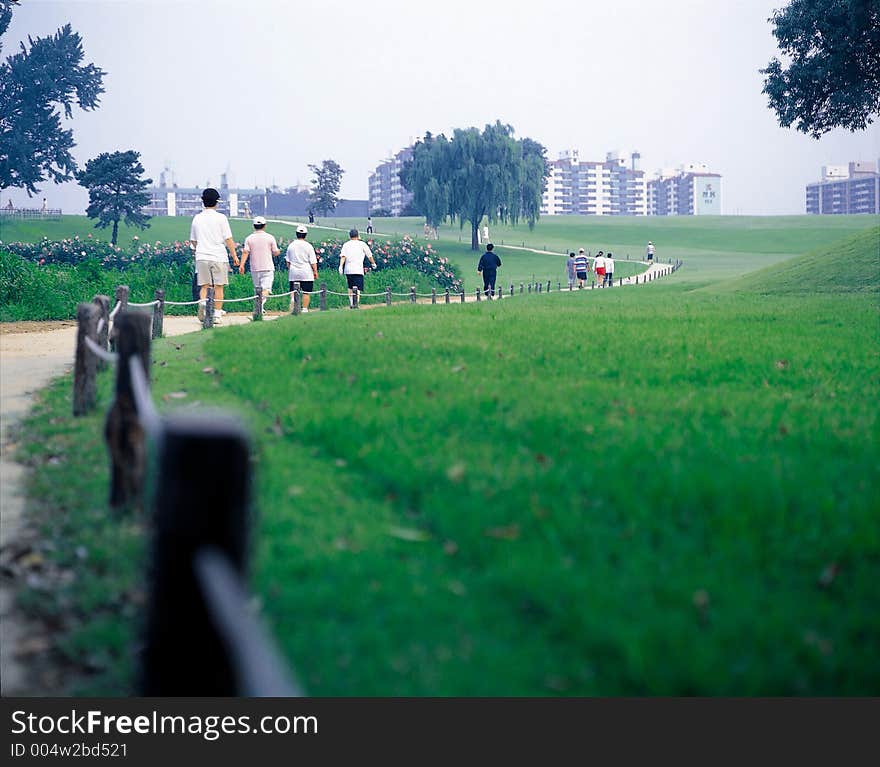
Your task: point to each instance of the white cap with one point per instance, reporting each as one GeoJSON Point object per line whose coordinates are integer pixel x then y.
{"type": "Point", "coordinates": [259, 220]}
{"type": "Point", "coordinates": [301, 229]}
{"type": "Point", "coordinates": [581, 250]}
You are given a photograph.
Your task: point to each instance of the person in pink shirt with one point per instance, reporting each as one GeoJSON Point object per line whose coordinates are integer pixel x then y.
{"type": "Point", "coordinates": [260, 247]}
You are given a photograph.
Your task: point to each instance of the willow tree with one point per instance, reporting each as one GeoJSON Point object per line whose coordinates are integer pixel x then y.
{"type": "Point", "coordinates": [476, 175]}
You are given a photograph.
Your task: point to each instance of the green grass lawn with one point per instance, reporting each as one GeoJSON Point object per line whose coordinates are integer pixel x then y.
{"type": "Point", "coordinates": [646, 491]}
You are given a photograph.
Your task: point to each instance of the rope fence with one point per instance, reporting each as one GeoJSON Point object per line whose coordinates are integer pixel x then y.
{"type": "Point", "coordinates": [200, 636]}
{"type": "Point", "coordinates": [208, 311]}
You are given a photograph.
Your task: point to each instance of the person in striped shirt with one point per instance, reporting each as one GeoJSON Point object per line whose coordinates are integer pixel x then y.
{"type": "Point", "coordinates": [581, 267]}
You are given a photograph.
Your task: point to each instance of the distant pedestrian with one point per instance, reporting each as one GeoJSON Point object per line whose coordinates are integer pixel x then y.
{"type": "Point", "coordinates": [211, 239]}
{"type": "Point", "coordinates": [485, 233]}
{"type": "Point", "coordinates": [650, 251]}
{"type": "Point", "coordinates": [45, 208]}
{"type": "Point", "coordinates": [369, 224]}
{"type": "Point", "coordinates": [351, 262]}
{"type": "Point", "coordinates": [581, 268]}
{"type": "Point", "coordinates": [260, 247]}
{"type": "Point", "coordinates": [570, 269]}
{"type": "Point", "coordinates": [599, 268]}
{"type": "Point", "coordinates": [489, 263]}
{"type": "Point", "coordinates": [609, 269]}
{"type": "Point", "coordinates": [311, 217]}
{"type": "Point", "coordinates": [302, 264]}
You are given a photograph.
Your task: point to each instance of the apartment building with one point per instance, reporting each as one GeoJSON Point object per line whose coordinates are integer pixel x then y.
{"type": "Point", "coordinates": [845, 189]}
{"type": "Point", "coordinates": [174, 200]}
{"type": "Point", "coordinates": [689, 190]}
{"type": "Point", "coordinates": [385, 190]}
{"type": "Point", "coordinates": [595, 188]}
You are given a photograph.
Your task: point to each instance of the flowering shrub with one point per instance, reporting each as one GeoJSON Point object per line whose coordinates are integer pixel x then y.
{"type": "Point", "coordinates": [74, 251]}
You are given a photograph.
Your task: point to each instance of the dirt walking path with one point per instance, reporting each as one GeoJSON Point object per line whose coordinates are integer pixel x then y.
{"type": "Point", "coordinates": [31, 355]}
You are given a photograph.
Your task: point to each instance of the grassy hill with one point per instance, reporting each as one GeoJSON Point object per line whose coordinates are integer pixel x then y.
{"type": "Point", "coordinates": [641, 491]}
{"type": "Point", "coordinates": [849, 266]}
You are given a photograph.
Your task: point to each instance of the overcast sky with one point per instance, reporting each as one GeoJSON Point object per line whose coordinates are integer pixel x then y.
{"type": "Point", "coordinates": [266, 87]}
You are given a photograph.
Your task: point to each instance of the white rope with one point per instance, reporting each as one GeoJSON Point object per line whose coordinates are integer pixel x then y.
{"type": "Point", "coordinates": [115, 310]}
{"type": "Point", "coordinates": [184, 303]}
{"type": "Point", "coordinates": [280, 295]}
{"type": "Point", "coordinates": [151, 303]}
{"type": "Point", "coordinates": [146, 410]}
{"type": "Point", "coordinates": [235, 300]}
{"type": "Point", "coordinates": [371, 295]}
{"type": "Point", "coordinates": [99, 352]}
{"type": "Point", "coordinates": [100, 325]}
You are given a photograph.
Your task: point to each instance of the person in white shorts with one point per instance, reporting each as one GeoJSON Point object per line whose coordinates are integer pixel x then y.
{"type": "Point", "coordinates": [260, 247]}
{"type": "Point", "coordinates": [303, 265]}
{"type": "Point", "coordinates": [210, 237]}
{"type": "Point", "coordinates": [609, 270]}
{"type": "Point", "coordinates": [351, 262]}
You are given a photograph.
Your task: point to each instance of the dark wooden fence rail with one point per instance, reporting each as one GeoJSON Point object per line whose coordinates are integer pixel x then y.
{"type": "Point", "coordinates": [200, 634]}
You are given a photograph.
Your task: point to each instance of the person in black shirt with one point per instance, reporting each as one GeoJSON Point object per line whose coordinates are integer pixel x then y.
{"type": "Point", "coordinates": [489, 263]}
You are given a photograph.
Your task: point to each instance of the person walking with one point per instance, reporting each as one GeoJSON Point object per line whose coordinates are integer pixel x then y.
{"type": "Point", "coordinates": [369, 224]}
{"type": "Point", "coordinates": [302, 264]}
{"type": "Point", "coordinates": [211, 239]}
{"type": "Point", "coordinates": [649, 251]}
{"type": "Point", "coordinates": [609, 269]}
{"type": "Point", "coordinates": [581, 268]}
{"type": "Point", "coordinates": [260, 247]}
{"type": "Point", "coordinates": [599, 268]}
{"type": "Point", "coordinates": [489, 263]}
{"type": "Point", "coordinates": [570, 270]}
{"type": "Point", "coordinates": [351, 262]}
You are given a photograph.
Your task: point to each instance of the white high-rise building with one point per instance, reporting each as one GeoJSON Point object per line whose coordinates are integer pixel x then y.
{"type": "Point", "coordinates": [594, 188]}
{"type": "Point", "coordinates": [689, 190]}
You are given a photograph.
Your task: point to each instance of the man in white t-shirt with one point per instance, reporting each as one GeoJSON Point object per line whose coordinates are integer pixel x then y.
{"type": "Point", "coordinates": [649, 251]}
{"type": "Point", "coordinates": [303, 265]}
{"type": "Point", "coordinates": [609, 269]}
{"type": "Point", "coordinates": [211, 239]}
{"type": "Point", "coordinates": [351, 262]}
{"type": "Point", "coordinates": [260, 247]}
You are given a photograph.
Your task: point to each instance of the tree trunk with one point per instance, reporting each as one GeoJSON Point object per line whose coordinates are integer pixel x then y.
{"type": "Point", "coordinates": [115, 232]}
{"type": "Point", "coordinates": [475, 242]}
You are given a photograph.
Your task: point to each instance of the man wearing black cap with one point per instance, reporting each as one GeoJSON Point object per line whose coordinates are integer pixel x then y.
{"type": "Point", "coordinates": [211, 238]}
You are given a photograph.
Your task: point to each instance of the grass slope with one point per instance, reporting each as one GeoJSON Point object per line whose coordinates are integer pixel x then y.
{"type": "Point", "coordinates": [639, 491]}
{"type": "Point", "coordinates": [849, 266]}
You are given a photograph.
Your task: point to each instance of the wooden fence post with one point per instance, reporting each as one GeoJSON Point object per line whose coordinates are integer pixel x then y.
{"type": "Point", "coordinates": [158, 313]}
{"type": "Point", "coordinates": [122, 292]}
{"type": "Point", "coordinates": [85, 365]}
{"type": "Point", "coordinates": [355, 297]}
{"type": "Point", "coordinates": [208, 321]}
{"type": "Point", "coordinates": [297, 300]}
{"type": "Point", "coordinates": [103, 304]}
{"type": "Point", "coordinates": [447, 295]}
{"type": "Point", "coordinates": [322, 298]}
{"type": "Point", "coordinates": [258, 306]}
{"type": "Point", "coordinates": [183, 654]}
{"type": "Point", "coordinates": [433, 295]}
{"type": "Point", "coordinates": [123, 431]}
{"type": "Point", "coordinates": [511, 288]}
{"type": "Point", "coordinates": [461, 295]}
{"type": "Point", "coordinates": [548, 286]}
{"type": "Point", "coordinates": [388, 295]}
{"type": "Point", "coordinates": [412, 294]}
{"type": "Point", "coordinates": [558, 286]}
{"type": "Point", "coordinates": [478, 293]}
{"type": "Point", "coordinates": [121, 297]}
